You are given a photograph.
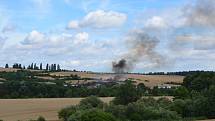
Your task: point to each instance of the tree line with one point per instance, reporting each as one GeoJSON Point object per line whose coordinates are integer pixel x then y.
{"type": "Point", "coordinates": [34, 66]}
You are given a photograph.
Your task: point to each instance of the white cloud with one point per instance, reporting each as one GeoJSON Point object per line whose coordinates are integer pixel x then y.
{"type": "Point", "coordinates": [75, 62]}
{"type": "Point", "coordinates": [8, 28]}
{"type": "Point", "coordinates": [73, 25]}
{"type": "Point", "coordinates": [200, 42]}
{"type": "Point", "coordinates": [100, 19]}
{"type": "Point", "coordinates": [188, 49]}
{"type": "Point", "coordinates": [42, 4]}
{"type": "Point", "coordinates": [67, 1]}
{"type": "Point", "coordinates": [156, 22]}
{"type": "Point", "coordinates": [204, 42]}
{"type": "Point", "coordinates": [49, 40]}
{"type": "Point", "coordinates": [2, 41]}
{"type": "Point", "coordinates": [81, 38]}
{"type": "Point", "coordinates": [34, 37]}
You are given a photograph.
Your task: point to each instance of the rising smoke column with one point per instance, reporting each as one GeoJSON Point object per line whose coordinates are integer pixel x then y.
{"type": "Point", "coordinates": [140, 45]}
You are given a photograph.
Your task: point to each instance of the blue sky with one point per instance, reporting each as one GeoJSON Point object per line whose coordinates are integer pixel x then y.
{"type": "Point", "coordinates": [91, 34]}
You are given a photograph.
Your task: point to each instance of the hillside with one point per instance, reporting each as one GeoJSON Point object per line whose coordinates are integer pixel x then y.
{"type": "Point", "coordinates": [26, 109]}
{"type": "Point", "coordinates": [148, 80]}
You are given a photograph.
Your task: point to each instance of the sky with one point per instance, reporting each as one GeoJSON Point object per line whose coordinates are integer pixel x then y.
{"type": "Point", "coordinates": [176, 35]}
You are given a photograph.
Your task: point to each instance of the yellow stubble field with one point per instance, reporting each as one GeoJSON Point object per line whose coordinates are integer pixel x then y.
{"type": "Point", "coordinates": [26, 109]}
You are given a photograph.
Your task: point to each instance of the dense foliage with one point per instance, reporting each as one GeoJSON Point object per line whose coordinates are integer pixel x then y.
{"type": "Point", "coordinates": [127, 93]}
{"type": "Point", "coordinates": [25, 84]}
{"type": "Point", "coordinates": [189, 103]}
{"type": "Point", "coordinates": [141, 110]}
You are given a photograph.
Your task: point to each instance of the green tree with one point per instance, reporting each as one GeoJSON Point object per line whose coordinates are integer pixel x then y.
{"type": "Point", "coordinates": [126, 93]}
{"type": "Point", "coordinates": [41, 118]}
{"type": "Point", "coordinates": [54, 67]}
{"type": "Point", "coordinates": [181, 93]}
{"type": "Point", "coordinates": [199, 81]}
{"type": "Point", "coordinates": [41, 66]}
{"type": "Point", "coordinates": [58, 67]}
{"type": "Point", "coordinates": [179, 106]}
{"type": "Point", "coordinates": [65, 113]}
{"type": "Point", "coordinates": [6, 66]}
{"type": "Point", "coordinates": [141, 88]}
{"type": "Point", "coordinates": [35, 67]}
{"type": "Point", "coordinates": [91, 115]}
{"type": "Point", "coordinates": [91, 102]}
{"type": "Point", "coordinates": [32, 66]}
{"type": "Point", "coordinates": [210, 95]}
{"type": "Point", "coordinates": [47, 67]}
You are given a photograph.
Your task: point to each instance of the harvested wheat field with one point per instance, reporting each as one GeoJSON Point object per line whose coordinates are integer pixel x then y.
{"type": "Point", "coordinates": [148, 80]}
{"type": "Point", "coordinates": [26, 109]}
{"type": "Point", "coordinates": [154, 80]}
{"type": "Point", "coordinates": [8, 69]}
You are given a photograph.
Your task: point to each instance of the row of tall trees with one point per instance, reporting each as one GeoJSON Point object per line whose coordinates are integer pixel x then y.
{"type": "Point", "coordinates": [53, 67]}
{"type": "Point", "coordinates": [34, 66]}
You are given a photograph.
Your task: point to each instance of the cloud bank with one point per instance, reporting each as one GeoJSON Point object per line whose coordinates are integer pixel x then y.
{"type": "Point", "coordinates": [99, 19]}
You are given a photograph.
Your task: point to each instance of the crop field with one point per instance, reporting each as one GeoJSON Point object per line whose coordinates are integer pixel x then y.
{"type": "Point", "coordinates": [148, 80]}
{"type": "Point", "coordinates": [26, 109]}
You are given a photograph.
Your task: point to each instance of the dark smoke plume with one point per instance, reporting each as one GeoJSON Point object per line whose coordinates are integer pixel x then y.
{"type": "Point", "coordinates": [121, 66]}
{"type": "Point", "coordinates": [141, 47]}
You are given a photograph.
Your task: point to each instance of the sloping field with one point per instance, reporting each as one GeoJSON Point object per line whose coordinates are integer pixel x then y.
{"type": "Point", "coordinates": [8, 69]}
{"type": "Point", "coordinates": [26, 109]}
{"type": "Point", "coordinates": [148, 80]}
{"type": "Point", "coordinates": [154, 80]}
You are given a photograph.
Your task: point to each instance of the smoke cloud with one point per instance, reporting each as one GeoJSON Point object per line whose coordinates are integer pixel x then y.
{"type": "Point", "coordinates": [199, 17]}
{"type": "Point", "coordinates": [141, 47]}
{"type": "Point", "coordinates": [201, 13]}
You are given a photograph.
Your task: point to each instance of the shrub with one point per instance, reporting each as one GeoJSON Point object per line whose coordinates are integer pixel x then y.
{"type": "Point", "coordinates": [127, 93]}
{"type": "Point", "coordinates": [91, 102]}
{"type": "Point", "coordinates": [66, 112]}
{"type": "Point", "coordinates": [91, 115]}
{"type": "Point", "coordinates": [40, 118]}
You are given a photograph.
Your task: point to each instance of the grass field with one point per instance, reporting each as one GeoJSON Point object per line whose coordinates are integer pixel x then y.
{"type": "Point", "coordinates": [26, 109]}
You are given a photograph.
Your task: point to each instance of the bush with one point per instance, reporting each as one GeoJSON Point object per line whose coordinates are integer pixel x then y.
{"type": "Point", "coordinates": [210, 95]}
{"type": "Point", "coordinates": [126, 93]}
{"type": "Point", "coordinates": [66, 112]}
{"type": "Point", "coordinates": [138, 111]}
{"type": "Point", "coordinates": [40, 118]}
{"type": "Point", "coordinates": [199, 81]}
{"type": "Point", "coordinates": [91, 115]}
{"type": "Point", "coordinates": [117, 110]}
{"type": "Point", "coordinates": [144, 110]}
{"type": "Point", "coordinates": [91, 102]}
{"type": "Point", "coordinates": [179, 106]}
{"type": "Point", "coordinates": [181, 93]}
